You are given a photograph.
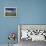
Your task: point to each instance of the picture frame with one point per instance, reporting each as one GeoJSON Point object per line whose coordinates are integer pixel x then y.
{"type": "Point", "coordinates": [10, 11]}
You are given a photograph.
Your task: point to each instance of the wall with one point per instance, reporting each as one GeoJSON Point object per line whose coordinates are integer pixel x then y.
{"type": "Point", "coordinates": [33, 12]}
{"type": "Point", "coordinates": [7, 24]}
{"type": "Point", "coordinates": [28, 12]}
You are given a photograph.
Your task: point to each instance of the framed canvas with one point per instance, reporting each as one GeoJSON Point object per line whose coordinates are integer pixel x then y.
{"type": "Point", "coordinates": [10, 11]}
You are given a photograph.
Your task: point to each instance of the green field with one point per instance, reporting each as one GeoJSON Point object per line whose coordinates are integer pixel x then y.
{"type": "Point", "coordinates": [10, 14]}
